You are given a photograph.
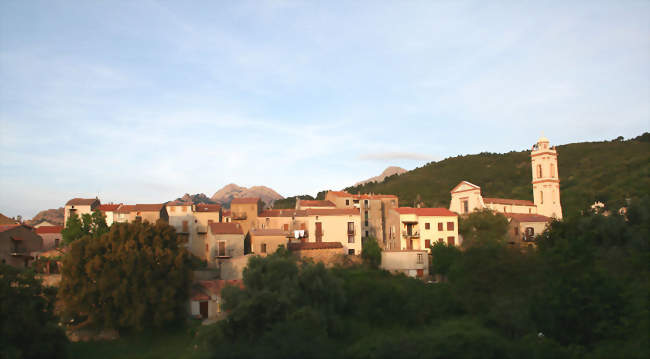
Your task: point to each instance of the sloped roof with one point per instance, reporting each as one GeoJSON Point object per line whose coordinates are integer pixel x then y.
{"type": "Point", "coordinates": [226, 228]}
{"type": "Point", "coordinates": [108, 207]}
{"type": "Point", "coordinates": [426, 212]}
{"type": "Point", "coordinates": [48, 229]}
{"type": "Point", "coordinates": [6, 220]}
{"type": "Point", "coordinates": [314, 246]}
{"type": "Point", "coordinates": [514, 202]}
{"type": "Point", "coordinates": [245, 200]}
{"type": "Point", "coordinates": [155, 207]}
{"type": "Point", "coordinates": [82, 201]}
{"type": "Point", "coordinates": [179, 203]}
{"type": "Point", "coordinates": [6, 227]}
{"type": "Point", "coordinates": [467, 183]}
{"type": "Point", "coordinates": [525, 217]}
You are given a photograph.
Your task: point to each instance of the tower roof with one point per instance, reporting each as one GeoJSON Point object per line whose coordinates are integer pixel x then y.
{"type": "Point", "coordinates": [543, 139]}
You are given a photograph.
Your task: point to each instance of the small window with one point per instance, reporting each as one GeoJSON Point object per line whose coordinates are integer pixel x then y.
{"type": "Point", "coordinates": [451, 241]}
{"type": "Point", "coordinates": [450, 226]}
{"type": "Point", "coordinates": [184, 209]}
{"type": "Point", "coordinates": [539, 171]}
{"type": "Point", "coordinates": [350, 238]}
{"type": "Point", "coordinates": [367, 235]}
{"type": "Point", "coordinates": [350, 227]}
{"type": "Point", "coordinates": [440, 226]}
{"type": "Point", "coordinates": [420, 258]}
{"type": "Point", "coordinates": [347, 202]}
{"type": "Point", "coordinates": [516, 231]}
{"type": "Point", "coordinates": [427, 243]}
{"type": "Point", "coordinates": [56, 243]}
{"type": "Point", "coordinates": [185, 227]}
{"type": "Point", "coordinates": [365, 202]}
{"type": "Point", "coordinates": [465, 206]}
{"type": "Point", "coordinates": [541, 197]}
{"type": "Point", "coordinates": [351, 252]}
{"type": "Point", "coordinates": [172, 209]}
{"type": "Point", "coordinates": [427, 225]}
{"type": "Point", "coordinates": [263, 248]}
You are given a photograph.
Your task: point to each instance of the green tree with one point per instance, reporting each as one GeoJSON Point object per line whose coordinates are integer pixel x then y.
{"type": "Point", "coordinates": [371, 253]}
{"type": "Point", "coordinates": [90, 224]}
{"type": "Point", "coordinates": [443, 257]}
{"type": "Point", "coordinates": [73, 229]}
{"type": "Point", "coordinates": [134, 276]}
{"type": "Point", "coordinates": [483, 227]}
{"type": "Point", "coordinates": [28, 328]}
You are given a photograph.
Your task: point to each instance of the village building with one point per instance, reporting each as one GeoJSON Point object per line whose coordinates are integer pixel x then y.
{"type": "Point", "coordinates": [204, 215]}
{"type": "Point", "coordinates": [181, 217]}
{"type": "Point", "coordinates": [419, 228]}
{"type": "Point", "coordinates": [244, 211]}
{"type": "Point", "coordinates": [523, 228]}
{"type": "Point", "coordinates": [313, 204]}
{"type": "Point", "coordinates": [51, 236]}
{"type": "Point", "coordinates": [205, 298]}
{"type": "Point", "coordinates": [143, 212]}
{"type": "Point", "coordinates": [413, 263]}
{"type": "Point", "coordinates": [335, 225]}
{"type": "Point", "coordinates": [292, 221]}
{"type": "Point", "coordinates": [19, 244]}
{"type": "Point", "coordinates": [466, 197]}
{"type": "Point", "coordinates": [109, 211]}
{"type": "Point", "coordinates": [43, 223]}
{"type": "Point", "coordinates": [328, 253]}
{"type": "Point", "coordinates": [79, 206]}
{"type": "Point", "coordinates": [267, 241]}
{"type": "Point", "coordinates": [224, 241]}
{"type": "Point", "coordinates": [373, 208]}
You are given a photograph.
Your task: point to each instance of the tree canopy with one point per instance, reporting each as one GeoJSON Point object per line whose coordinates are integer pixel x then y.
{"type": "Point", "coordinates": [134, 276]}
{"type": "Point", "coordinates": [88, 225]}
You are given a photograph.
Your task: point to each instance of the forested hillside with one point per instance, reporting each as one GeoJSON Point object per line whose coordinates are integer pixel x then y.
{"type": "Point", "coordinates": [608, 171]}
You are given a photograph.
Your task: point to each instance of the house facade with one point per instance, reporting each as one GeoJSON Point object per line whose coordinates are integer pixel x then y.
{"type": "Point", "coordinates": [223, 241]}
{"type": "Point", "coordinates": [109, 211]}
{"type": "Point", "coordinates": [79, 206]}
{"type": "Point", "coordinates": [419, 228]}
{"type": "Point", "coordinates": [19, 244]}
{"type": "Point", "coordinates": [51, 236]}
{"type": "Point", "coordinates": [267, 241]}
{"type": "Point", "coordinates": [244, 211]}
{"type": "Point", "coordinates": [205, 297]}
{"type": "Point", "coordinates": [204, 215]}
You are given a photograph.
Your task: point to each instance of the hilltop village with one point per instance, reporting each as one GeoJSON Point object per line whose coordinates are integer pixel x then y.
{"type": "Point", "coordinates": [330, 230]}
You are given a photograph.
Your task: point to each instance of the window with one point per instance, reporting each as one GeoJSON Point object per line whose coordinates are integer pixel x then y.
{"type": "Point", "coordinates": [347, 202]}
{"type": "Point", "coordinates": [552, 170]}
{"type": "Point", "coordinates": [465, 206]}
{"type": "Point", "coordinates": [427, 243]}
{"type": "Point", "coordinates": [365, 223]}
{"type": "Point", "coordinates": [184, 209]}
{"type": "Point", "coordinates": [351, 252]}
{"type": "Point", "coordinates": [350, 227]}
{"type": "Point", "coordinates": [541, 197]}
{"type": "Point", "coordinates": [427, 225]}
{"type": "Point", "coordinates": [365, 202]}
{"type": "Point", "coordinates": [365, 213]}
{"type": "Point", "coordinates": [530, 231]}
{"type": "Point", "coordinates": [56, 243]}
{"type": "Point", "coordinates": [285, 227]}
{"type": "Point", "coordinates": [222, 249]}
{"type": "Point", "coordinates": [451, 241]}
{"type": "Point", "coordinates": [350, 238]}
{"type": "Point", "coordinates": [516, 231]}
{"type": "Point", "coordinates": [440, 226]}
{"type": "Point", "coordinates": [420, 258]}
{"type": "Point", "coordinates": [263, 248]}
{"type": "Point", "coordinates": [172, 209]}
{"type": "Point", "coordinates": [185, 227]}
{"type": "Point", "coordinates": [367, 234]}
{"type": "Point", "coordinates": [450, 226]}
{"type": "Point", "coordinates": [539, 171]}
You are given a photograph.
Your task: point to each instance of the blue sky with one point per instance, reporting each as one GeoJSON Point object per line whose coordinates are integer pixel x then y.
{"type": "Point", "coordinates": [142, 101]}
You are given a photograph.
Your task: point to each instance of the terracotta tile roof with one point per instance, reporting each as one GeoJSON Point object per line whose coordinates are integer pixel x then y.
{"type": "Point", "coordinates": [341, 194]}
{"type": "Point", "coordinates": [82, 201]}
{"type": "Point", "coordinates": [49, 229]}
{"type": "Point", "coordinates": [514, 202]}
{"type": "Point", "coordinates": [333, 212]}
{"type": "Point", "coordinates": [6, 227]}
{"type": "Point", "coordinates": [226, 213]}
{"type": "Point", "coordinates": [361, 196]}
{"type": "Point", "coordinates": [226, 228]}
{"type": "Point", "coordinates": [525, 217]}
{"type": "Point", "coordinates": [316, 203]}
{"type": "Point", "coordinates": [426, 212]}
{"type": "Point", "coordinates": [108, 207]}
{"type": "Point", "coordinates": [245, 200]}
{"type": "Point", "coordinates": [268, 232]}
{"type": "Point", "coordinates": [204, 207]}
{"type": "Point", "coordinates": [283, 213]}
{"type": "Point", "coordinates": [156, 207]}
{"type": "Point", "coordinates": [125, 208]}
{"type": "Point", "coordinates": [314, 245]}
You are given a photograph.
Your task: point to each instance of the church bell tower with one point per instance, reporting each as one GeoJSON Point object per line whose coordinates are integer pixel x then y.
{"type": "Point", "coordinates": [546, 181]}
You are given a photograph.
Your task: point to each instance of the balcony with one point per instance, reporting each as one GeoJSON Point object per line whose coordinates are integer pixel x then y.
{"type": "Point", "coordinates": [238, 216]}
{"type": "Point", "coordinates": [202, 229]}
{"type": "Point", "coordinates": [413, 234]}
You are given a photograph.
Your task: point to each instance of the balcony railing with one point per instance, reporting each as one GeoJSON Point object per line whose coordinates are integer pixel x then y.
{"type": "Point", "coordinates": [238, 216]}
{"type": "Point", "coordinates": [414, 234]}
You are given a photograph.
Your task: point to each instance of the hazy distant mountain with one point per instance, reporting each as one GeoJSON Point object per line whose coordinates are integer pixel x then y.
{"type": "Point", "coordinates": [392, 170]}
{"type": "Point", "coordinates": [196, 198]}
{"type": "Point", "coordinates": [54, 216]}
{"type": "Point", "coordinates": [228, 192]}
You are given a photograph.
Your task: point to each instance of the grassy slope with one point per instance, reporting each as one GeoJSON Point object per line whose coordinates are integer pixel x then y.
{"type": "Point", "coordinates": [608, 171]}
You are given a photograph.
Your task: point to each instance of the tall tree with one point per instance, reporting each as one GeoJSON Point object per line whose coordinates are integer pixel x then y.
{"type": "Point", "coordinates": [371, 253]}
{"type": "Point", "coordinates": [137, 275]}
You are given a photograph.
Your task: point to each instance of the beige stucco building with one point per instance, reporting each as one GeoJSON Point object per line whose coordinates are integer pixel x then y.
{"type": "Point", "coordinates": [204, 215]}
{"type": "Point", "coordinates": [19, 244]}
{"type": "Point", "coordinates": [110, 212]}
{"type": "Point", "coordinates": [373, 209]}
{"type": "Point", "coordinates": [144, 212]}
{"type": "Point", "coordinates": [413, 263]}
{"type": "Point", "coordinates": [79, 206]}
{"type": "Point", "coordinates": [267, 241]}
{"type": "Point", "coordinates": [223, 241]}
{"type": "Point", "coordinates": [244, 211]}
{"type": "Point", "coordinates": [419, 228]}
{"type": "Point", "coordinates": [466, 197]}
{"type": "Point", "coordinates": [181, 217]}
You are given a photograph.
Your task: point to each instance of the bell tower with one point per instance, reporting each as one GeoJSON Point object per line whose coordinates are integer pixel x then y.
{"type": "Point", "coordinates": [546, 181]}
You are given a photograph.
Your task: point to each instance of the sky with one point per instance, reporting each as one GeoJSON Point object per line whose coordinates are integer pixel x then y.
{"type": "Point", "coordinates": [143, 101]}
